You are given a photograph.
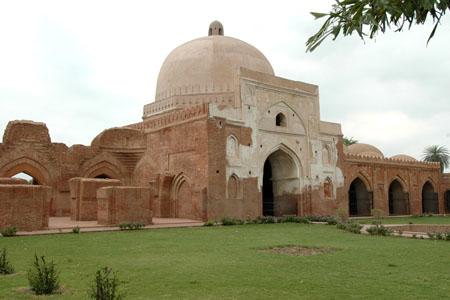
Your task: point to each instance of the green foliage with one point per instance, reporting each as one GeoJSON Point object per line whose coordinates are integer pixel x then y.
{"type": "Point", "coordinates": [5, 266]}
{"type": "Point", "coordinates": [330, 220]}
{"type": "Point", "coordinates": [369, 17]}
{"type": "Point", "coordinates": [379, 229]}
{"type": "Point", "coordinates": [105, 286]}
{"type": "Point", "coordinates": [436, 153]}
{"type": "Point", "coordinates": [350, 226]}
{"type": "Point", "coordinates": [293, 219]}
{"type": "Point", "coordinates": [349, 141]}
{"type": "Point", "coordinates": [227, 221]}
{"type": "Point", "coordinates": [43, 277]}
{"type": "Point", "coordinates": [210, 223]}
{"type": "Point", "coordinates": [266, 220]}
{"type": "Point", "coordinates": [445, 236]}
{"type": "Point", "coordinates": [76, 229]}
{"type": "Point", "coordinates": [8, 231]}
{"type": "Point", "coordinates": [341, 215]}
{"type": "Point", "coordinates": [131, 226]}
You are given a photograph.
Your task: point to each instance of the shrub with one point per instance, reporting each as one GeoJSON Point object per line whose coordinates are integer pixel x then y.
{"type": "Point", "coordinates": [227, 221]}
{"type": "Point", "coordinates": [293, 219]}
{"type": "Point", "coordinates": [5, 265]}
{"type": "Point", "coordinates": [266, 220]}
{"type": "Point", "coordinates": [210, 223]}
{"type": "Point", "coordinates": [350, 226]}
{"type": "Point", "coordinates": [76, 229]}
{"type": "Point", "coordinates": [131, 226]}
{"type": "Point", "coordinates": [331, 221]}
{"type": "Point", "coordinates": [43, 277]}
{"type": "Point", "coordinates": [105, 286]}
{"type": "Point", "coordinates": [341, 215]}
{"type": "Point", "coordinates": [8, 231]}
{"type": "Point", "coordinates": [379, 230]}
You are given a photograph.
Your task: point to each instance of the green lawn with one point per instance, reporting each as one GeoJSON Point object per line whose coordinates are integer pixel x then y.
{"type": "Point", "coordinates": [224, 263]}
{"type": "Point", "coordinates": [410, 220]}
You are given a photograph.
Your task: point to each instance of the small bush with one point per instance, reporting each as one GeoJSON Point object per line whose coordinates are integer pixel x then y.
{"type": "Point", "coordinates": [105, 286]}
{"type": "Point", "coordinates": [341, 215]}
{"type": "Point", "coordinates": [43, 277]}
{"type": "Point", "coordinates": [76, 229]}
{"type": "Point", "coordinates": [8, 231]}
{"type": "Point", "coordinates": [350, 226]}
{"type": "Point", "coordinates": [294, 219]}
{"type": "Point", "coordinates": [5, 265]}
{"type": "Point", "coordinates": [210, 223]}
{"type": "Point", "coordinates": [227, 221]}
{"type": "Point", "coordinates": [131, 226]}
{"type": "Point", "coordinates": [331, 221]}
{"type": "Point", "coordinates": [379, 230]}
{"type": "Point", "coordinates": [266, 220]}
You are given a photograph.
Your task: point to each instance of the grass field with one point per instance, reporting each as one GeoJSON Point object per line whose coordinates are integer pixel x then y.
{"type": "Point", "coordinates": [225, 263]}
{"type": "Point", "coordinates": [410, 220]}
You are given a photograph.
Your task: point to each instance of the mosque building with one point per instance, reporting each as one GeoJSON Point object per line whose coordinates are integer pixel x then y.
{"type": "Point", "coordinates": [225, 136]}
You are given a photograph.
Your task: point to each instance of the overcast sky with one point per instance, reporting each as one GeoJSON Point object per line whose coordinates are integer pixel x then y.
{"type": "Point", "coordinates": [84, 66]}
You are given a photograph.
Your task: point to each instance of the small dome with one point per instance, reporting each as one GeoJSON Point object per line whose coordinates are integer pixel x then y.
{"type": "Point", "coordinates": [364, 150]}
{"type": "Point", "coordinates": [403, 157]}
{"type": "Point", "coordinates": [208, 65]}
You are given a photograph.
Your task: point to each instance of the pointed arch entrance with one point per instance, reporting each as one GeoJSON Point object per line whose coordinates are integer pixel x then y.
{"type": "Point", "coordinates": [430, 203]}
{"type": "Point", "coordinates": [360, 199]}
{"type": "Point", "coordinates": [398, 199]}
{"type": "Point", "coordinates": [281, 183]}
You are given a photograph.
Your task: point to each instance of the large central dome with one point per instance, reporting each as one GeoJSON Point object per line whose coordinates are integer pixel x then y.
{"type": "Point", "coordinates": [208, 65]}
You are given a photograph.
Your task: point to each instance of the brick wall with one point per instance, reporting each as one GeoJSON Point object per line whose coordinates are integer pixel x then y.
{"type": "Point", "coordinates": [25, 206]}
{"type": "Point", "coordinates": [125, 204]}
{"type": "Point", "coordinates": [83, 194]}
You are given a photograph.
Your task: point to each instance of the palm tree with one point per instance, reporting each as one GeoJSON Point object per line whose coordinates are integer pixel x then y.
{"type": "Point", "coordinates": [349, 141]}
{"type": "Point", "coordinates": [436, 153]}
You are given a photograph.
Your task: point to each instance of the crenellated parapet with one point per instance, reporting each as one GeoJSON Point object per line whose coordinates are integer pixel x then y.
{"type": "Point", "coordinates": [184, 101]}
{"type": "Point", "coordinates": [172, 118]}
{"type": "Point", "coordinates": [357, 158]}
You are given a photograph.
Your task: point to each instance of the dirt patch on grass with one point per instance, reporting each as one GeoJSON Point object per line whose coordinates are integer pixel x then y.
{"type": "Point", "coordinates": [296, 250]}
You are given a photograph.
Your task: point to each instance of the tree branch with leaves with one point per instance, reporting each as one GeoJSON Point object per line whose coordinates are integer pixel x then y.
{"type": "Point", "coordinates": [369, 17]}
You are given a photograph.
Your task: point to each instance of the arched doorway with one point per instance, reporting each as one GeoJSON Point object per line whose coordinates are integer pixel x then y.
{"type": "Point", "coordinates": [430, 204]}
{"type": "Point", "coordinates": [398, 199]}
{"type": "Point", "coordinates": [359, 199]}
{"type": "Point", "coordinates": [103, 176]}
{"type": "Point", "coordinates": [447, 201]}
{"type": "Point", "coordinates": [281, 185]}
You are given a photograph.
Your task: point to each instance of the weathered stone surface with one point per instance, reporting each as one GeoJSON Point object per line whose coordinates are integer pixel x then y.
{"type": "Point", "coordinates": [24, 206]}
{"type": "Point", "coordinates": [124, 204]}
{"type": "Point", "coordinates": [83, 194]}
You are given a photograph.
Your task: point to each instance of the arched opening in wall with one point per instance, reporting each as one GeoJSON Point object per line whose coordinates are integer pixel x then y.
{"type": "Point", "coordinates": [359, 199]}
{"type": "Point", "coordinates": [447, 201]}
{"type": "Point", "coordinates": [26, 177]}
{"type": "Point", "coordinates": [280, 120]}
{"type": "Point", "coordinates": [281, 185]}
{"type": "Point", "coordinates": [103, 176]}
{"type": "Point", "coordinates": [398, 199]}
{"type": "Point", "coordinates": [184, 201]}
{"type": "Point", "coordinates": [430, 204]}
{"type": "Point", "coordinates": [233, 187]}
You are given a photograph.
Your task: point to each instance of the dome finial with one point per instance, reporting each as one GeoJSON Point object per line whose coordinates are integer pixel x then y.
{"type": "Point", "coordinates": [215, 28]}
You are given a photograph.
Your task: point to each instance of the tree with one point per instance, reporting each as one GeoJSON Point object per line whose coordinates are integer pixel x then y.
{"type": "Point", "coordinates": [349, 141]}
{"type": "Point", "coordinates": [436, 153]}
{"type": "Point", "coordinates": [368, 17]}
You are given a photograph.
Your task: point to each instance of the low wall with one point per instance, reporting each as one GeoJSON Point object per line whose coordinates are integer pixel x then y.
{"type": "Point", "coordinates": [432, 228]}
{"type": "Point", "coordinates": [83, 197]}
{"type": "Point", "coordinates": [11, 180]}
{"type": "Point", "coordinates": [124, 204]}
{"type": "Point", "coordinates": [25, 206]}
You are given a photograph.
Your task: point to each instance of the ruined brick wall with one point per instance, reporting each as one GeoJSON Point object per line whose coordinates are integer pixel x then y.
{"type": "Point", "coordinates": [83, 193]}
{"type": "Point", "coordinates": [176, 160]}
{"type": "Point", "coordinates": [24, 206]}
{"type": "Point", "coordinates": [125, 204]}
{"type": "Point", "coordinates": [243, 198]}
